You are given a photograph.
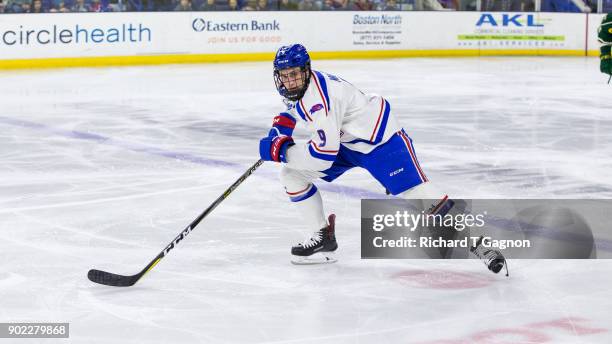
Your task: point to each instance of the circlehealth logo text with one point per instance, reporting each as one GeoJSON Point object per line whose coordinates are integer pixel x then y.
{"type": "Point", "coordinates": [75, 34]}
{"type": "Point", "coordinates": [201, 25]}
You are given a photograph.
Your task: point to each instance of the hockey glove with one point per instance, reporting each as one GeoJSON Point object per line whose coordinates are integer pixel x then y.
{"type": "Point", "coordinates": [274, 147]}
{"type": "Point", "coordinates": [605, 66]}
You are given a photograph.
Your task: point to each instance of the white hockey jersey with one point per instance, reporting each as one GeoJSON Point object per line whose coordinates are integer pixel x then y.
{"type": "Point", "coordinates": [336, 114]}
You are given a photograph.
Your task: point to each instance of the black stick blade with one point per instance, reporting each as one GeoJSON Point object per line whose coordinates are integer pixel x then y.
{"type": "Point", "coordinates": [113, 280]}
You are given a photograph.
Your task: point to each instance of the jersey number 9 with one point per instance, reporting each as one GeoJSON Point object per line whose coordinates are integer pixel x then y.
{"type": "Point", "coordinates": [322, 137]}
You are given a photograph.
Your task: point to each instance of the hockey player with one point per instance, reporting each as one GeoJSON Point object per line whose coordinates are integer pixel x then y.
{"type": "Point", "coordinates": [604, 35]}
{"type": "Point", "coordinates": [348, 129]}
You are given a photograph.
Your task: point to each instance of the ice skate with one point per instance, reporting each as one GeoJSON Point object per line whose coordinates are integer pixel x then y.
{"type": "Point", "coordinates": [493, 259]}
{"type": "Point", "coordinates": [318, 249]}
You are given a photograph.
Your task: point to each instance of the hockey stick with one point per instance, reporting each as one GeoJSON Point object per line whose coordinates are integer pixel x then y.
{"type": "Point", "coordinates": [107, 278]}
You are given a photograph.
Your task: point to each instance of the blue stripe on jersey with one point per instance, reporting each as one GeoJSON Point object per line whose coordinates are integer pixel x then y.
{"type": "Point", "coordinates": [326, 157]}
{"type": "Point", "coordinates": [307, 195]}
{"type": "Point", "coordinates": [381, 131]}
{"type": "Point", "coordinates": [300, 111]}
{"type": "Point", "coordinates": [323, 83]}
{"type": "Point", "coordinates": [383, 125]}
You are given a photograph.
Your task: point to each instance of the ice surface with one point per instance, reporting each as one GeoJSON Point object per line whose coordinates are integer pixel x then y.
{"type": "Point", "coordinates": [103, 167]}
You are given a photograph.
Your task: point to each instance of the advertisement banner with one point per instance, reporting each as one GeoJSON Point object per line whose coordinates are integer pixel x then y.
{"type": "Point", "coordinates": [134, 34]}
{"type": "Point", "coordinates": [532, 31]}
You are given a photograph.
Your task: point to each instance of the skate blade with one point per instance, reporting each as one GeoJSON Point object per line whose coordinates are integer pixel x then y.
{"type": "Point", "coordinates": [317, 258]}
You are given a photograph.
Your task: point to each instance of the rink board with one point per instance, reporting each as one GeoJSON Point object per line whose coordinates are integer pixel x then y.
{"type": "Point", "coordinates": [88, 39]}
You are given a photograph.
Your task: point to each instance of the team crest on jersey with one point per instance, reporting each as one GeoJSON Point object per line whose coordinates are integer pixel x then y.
{"type": "Point", "coordinates": [316, 108]}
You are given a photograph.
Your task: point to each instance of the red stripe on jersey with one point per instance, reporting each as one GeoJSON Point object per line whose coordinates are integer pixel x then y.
{"type": "Point", "coordinates": [382, 106]}
{"type": "Point", "coordinates": [324, 151]}
{"type": "Point", "coordinates": [314, 76]}
{"type": "Point", "coordinates": [304, 109]}
{"type": "Point", "coordinates": [299, 192]}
